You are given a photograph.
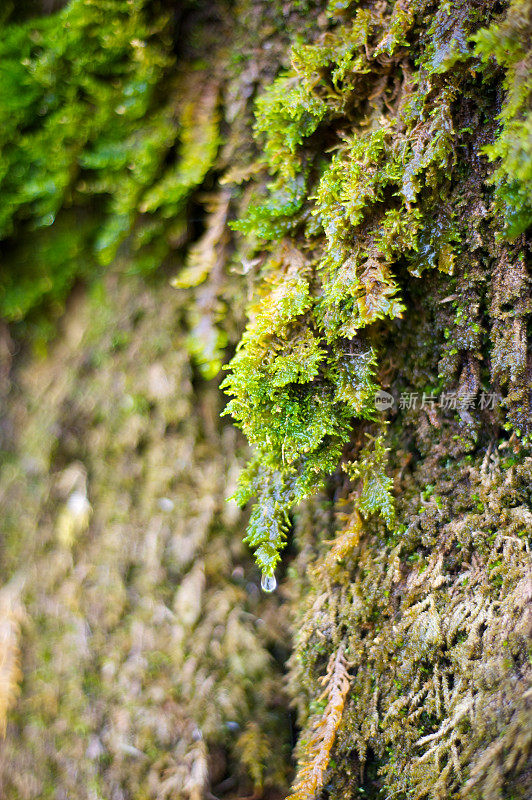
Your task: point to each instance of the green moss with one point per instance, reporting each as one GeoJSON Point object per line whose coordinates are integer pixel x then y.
{"type": "Point", "coordinates": [505, 42]}
{"type": "Point", "coordinates": [372, 253]}
{"type": "Point", "coordinates": [380, 194]}
{"type": "Point", "coordinates": [84, 126]}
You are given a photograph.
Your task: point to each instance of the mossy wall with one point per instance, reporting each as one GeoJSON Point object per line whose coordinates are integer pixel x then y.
{"type": "Point", "coordinates": [146, 646]}
{"type": "Point", "coordinates": [340, 194]}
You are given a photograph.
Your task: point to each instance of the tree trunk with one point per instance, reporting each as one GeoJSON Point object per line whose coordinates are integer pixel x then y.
{"type": "Point", "coordinates": [330, 202]}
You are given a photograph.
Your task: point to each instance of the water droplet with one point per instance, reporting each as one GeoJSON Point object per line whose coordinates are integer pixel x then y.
{"type": "Point", "coordinates": [268, 583]}
{"type": "Point", "coordinates": [165, 504]}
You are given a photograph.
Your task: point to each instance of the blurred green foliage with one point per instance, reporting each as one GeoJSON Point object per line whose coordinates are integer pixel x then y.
{"type": "Point", "coordinates": [98, 140]}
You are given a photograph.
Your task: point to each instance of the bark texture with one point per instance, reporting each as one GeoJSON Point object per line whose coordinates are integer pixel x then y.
{"type": "Point", "coordinates": [325, 206]}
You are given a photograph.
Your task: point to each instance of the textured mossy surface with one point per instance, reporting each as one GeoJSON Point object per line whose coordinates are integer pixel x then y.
{"type": "Point", "coordinates": [341, 195]}
{"type": "Point", "coordinates": [150, 660]}
{"type": "Point", "coordinates": [374, 140]}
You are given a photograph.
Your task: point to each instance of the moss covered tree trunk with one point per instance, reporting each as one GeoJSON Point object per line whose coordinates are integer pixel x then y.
{"type": "Point", "coordinates": [319, 212]}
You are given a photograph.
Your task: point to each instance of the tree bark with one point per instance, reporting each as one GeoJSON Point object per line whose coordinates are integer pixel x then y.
{"type": "Point", "coordinates": [353, 246]}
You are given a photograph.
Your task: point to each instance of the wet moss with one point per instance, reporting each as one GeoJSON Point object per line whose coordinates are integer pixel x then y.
{"type": "Point", "coordinates": [372, 236]}
{"type": "Point", "coordinates": [374, 140]}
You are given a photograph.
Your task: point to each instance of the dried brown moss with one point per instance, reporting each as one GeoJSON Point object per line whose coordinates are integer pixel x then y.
{"type": "Point", "coordinates": [146, 646]}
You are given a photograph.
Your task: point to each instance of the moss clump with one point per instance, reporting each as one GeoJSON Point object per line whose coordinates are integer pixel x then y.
{"type": "Point", "coordinates": [507, 42]}
{"type": "Point", "coordinates": [369, 140]}
{"type": "Point", "coordinates": [374, 175]}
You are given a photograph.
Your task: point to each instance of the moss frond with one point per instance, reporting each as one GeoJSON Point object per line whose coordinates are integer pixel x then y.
{"type": "Point", "coordinates": [315, 748]}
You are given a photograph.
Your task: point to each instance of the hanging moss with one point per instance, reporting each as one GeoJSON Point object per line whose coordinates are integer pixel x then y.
{"type": "Point", "coordinates": [388, 143]}
{"type": "Point", "coordinates": [368, 136]}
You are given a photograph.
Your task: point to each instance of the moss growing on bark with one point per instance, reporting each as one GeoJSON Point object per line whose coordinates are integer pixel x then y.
{"type": "Point", "coordinates": [374, 233]}
{"type": "Point", "coordinates": [374, 139]}
{"type": "Point", "coordinates": [397, 143]}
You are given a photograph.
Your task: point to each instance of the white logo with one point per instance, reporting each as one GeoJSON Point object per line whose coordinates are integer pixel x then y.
{"type": "Point", "coordinates": [383, 400]}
